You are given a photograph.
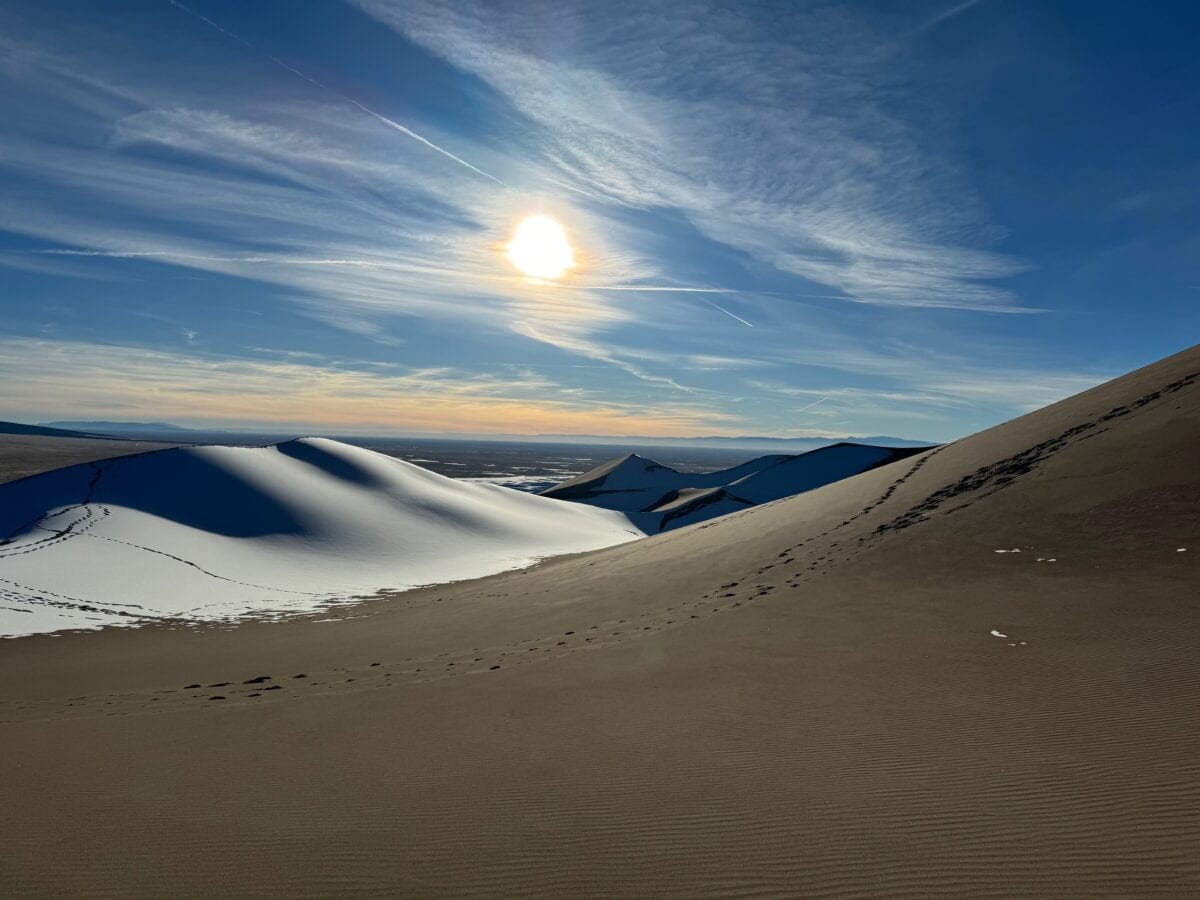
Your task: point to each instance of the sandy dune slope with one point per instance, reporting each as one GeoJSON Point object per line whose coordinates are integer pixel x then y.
{"type": "Point", "coordinates": [847, 693]}
{"type": "Point", "coordinates": [237, 530]}
{"type": "Point", "coordinates": [657, 498]}
{"type": "Point", "coordinates": [22, 455]}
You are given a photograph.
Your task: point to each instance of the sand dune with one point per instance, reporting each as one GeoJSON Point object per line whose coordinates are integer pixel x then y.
{"type": "Point", "coordinates": [657, 498]}
{"type": "Point", "coordinates": [846, 693]}
{"type": "Point", "coordinates": [237, 530]}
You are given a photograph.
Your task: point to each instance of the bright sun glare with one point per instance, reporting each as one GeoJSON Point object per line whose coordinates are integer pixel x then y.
{"type": "Point", "coordinates": [540, 248]}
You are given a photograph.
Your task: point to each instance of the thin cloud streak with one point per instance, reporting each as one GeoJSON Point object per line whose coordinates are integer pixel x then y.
{"type": "Point", "coordinates": [945, 14]}
{"type": "Point", "coordinates": [391, 123]}
{"type": "Point", "coordinates": [811, 405]}
{"type": "Point", "coordinates": [728, 313]}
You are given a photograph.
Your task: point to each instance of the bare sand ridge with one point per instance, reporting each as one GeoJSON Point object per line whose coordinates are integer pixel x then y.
{"type": "Point", "coordinates": [22, 455]}
{"type": "Point", "coordinates": [846, 693]}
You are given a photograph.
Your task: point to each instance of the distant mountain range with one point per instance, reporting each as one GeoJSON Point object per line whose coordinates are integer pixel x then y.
{"type": "Point", "coordinates": [114, 427]}
{"type": "Point", "coordinates": [745, 442]}
{"type": "Point", "coordinates": [658, 498]}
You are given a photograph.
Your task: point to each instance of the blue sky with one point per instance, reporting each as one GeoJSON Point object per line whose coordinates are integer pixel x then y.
{"type": "Point", "coordinates": [914, 219]}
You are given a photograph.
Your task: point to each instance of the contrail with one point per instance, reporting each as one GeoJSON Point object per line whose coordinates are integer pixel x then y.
{"type": "Point", "coordinates": [728, 313]}
{"type": "Point", "coordinates": [811, 405]}
{"type": "Point", "coordinates": [943, 16]}
{"type": "Point", "coordinates": [1006, 310]}
{"type": "Point", "coordinates": [299, 74]}
{"type": "Point", "coordinates": [200, 257]}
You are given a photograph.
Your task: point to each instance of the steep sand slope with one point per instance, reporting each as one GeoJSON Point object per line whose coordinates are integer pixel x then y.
{"type": "Point", "coordinates": [802, 699]}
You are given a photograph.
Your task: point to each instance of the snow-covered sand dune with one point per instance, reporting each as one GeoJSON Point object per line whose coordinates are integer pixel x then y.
{"type": "Point", "coordinates": [209, 533]}
{"type": "Point", "coordinates": [658, 498]}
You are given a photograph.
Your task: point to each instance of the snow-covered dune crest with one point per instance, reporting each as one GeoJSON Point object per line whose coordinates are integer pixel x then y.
{"type": "Point", "coordinates": [209, 533]}
{"type": "Point", "coordinates": [658, 498]}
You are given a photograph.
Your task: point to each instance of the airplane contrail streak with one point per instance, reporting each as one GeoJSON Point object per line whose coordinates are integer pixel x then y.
{"type": "Point", "coordinates": [728, 313]}
{"type": "Point", "coordinates": [945, 14]}
{"type": "Point", "coordinates": [811, 405]}
{"type": "Point", "coordinates": [299, 74]}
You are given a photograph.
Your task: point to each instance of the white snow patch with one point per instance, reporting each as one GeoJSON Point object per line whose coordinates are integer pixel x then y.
{"type": "Point", "coordinates": [527, 483]}
{"type": "Point", "coordinates": [998, 634]}
{"type": "Point", "coordinates": [1014, 550]}
{"type": "Point", "coordinates": [214, 533]}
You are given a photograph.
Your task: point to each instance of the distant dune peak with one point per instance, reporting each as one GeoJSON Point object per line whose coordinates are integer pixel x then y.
{"type": "Point", "coordinates": [659, 498]}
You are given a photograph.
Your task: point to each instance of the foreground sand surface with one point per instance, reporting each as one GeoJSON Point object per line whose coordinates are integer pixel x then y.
{"type": "Point", "coordinates": [849, 692]}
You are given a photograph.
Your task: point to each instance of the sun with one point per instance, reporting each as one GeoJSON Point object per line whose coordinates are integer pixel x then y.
{"type": "Point", "coordinates": [540, 248]}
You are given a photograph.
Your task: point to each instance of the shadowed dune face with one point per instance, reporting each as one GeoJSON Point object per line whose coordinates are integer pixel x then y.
{"type": "Point", "coordinates": [849, 693]}
{"type": "Point", "coordinates": [189, 486]}
{"type": "Point", "coordinates": [339, 465]}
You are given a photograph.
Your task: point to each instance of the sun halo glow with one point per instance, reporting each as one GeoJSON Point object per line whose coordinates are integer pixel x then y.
{"type": "Point", "coordinates": [540, 248]}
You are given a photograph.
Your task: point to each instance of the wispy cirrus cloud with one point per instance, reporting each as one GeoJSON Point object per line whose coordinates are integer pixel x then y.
{"type": "Point", "coordinates": [379, 117]}
{"type": "Point", "coordinates": [683, 109]}
{"type": "Point", "coordinates": [943, 386]}
{"type": "Point", "coordinates": [749, 188]}
{"type": "Point", "coordinates": [305, 199]}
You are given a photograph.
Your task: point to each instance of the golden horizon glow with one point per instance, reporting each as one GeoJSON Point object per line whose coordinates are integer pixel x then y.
{"type": "Point", "coordinates": [540, 248]}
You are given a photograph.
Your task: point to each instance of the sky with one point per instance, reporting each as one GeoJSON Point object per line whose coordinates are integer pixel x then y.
{"type": "Point", "coordinates": [790, 219]}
